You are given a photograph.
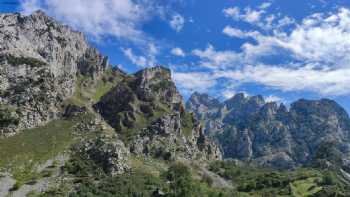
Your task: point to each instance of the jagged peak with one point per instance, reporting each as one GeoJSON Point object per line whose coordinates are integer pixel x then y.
{"type": "Point", "coordinates": [39, 13]}
{"type": "Point", "coordinates": [155, 71]}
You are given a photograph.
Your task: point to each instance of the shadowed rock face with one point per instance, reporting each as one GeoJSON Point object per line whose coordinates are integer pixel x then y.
{"type": "Point", "coordinates": [40, 59]}
{"type": "Point", "coordinates": [268, 134]}
{"type": "Point", "coordinates": [139, 98]}
{"type": "Point", "coordinates": [147, 111]}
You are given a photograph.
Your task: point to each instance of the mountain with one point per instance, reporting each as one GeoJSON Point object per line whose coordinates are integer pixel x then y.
{"type": "Point", "coordinates": [149, 114]}
{"type": "Point", "coordinates": [66, 113]}
{"type": "Point", "coordinates": [73, 125]}
{"type": "Point", "coordinates": [267, 133]}
{"type": "Point", "coordinates": [40, 60]}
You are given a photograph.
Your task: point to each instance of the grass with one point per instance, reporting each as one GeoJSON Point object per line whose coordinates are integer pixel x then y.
{"type": "Point", "coordinates": [305, 187]}
{"type": "Point", "coordinates": [187, 123]}
{"type": "Point", "coordinates": [95, 89]}
{"type": "Point", "coordinates": [21, 153]}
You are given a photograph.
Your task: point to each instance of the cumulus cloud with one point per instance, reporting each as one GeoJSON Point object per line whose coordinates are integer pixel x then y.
{"type": "Point", "coordinates": [212, 58]}
{"type": "Point", "coordinates": [325, 82]}
{"type": "Point", "coordinates": [177, 22]}
{"type": "Point", "coordinates": [317, 50]}
{"type": "Point", "coordinates": [194, 81]}
{"type": "Point", "coordinates": [178, 52]}
{"type": "Point", "coordinates": [234, 32]}
{"type": "Point", "coordinates": [248, 15]}
{"type": "Point", "coordinates": [119, 18]}
{"type": "Point", "coordinates": [140, 60]}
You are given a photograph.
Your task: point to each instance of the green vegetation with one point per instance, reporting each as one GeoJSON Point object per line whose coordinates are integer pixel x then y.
{"type": "Point", "coordinates": [89, 89]}
{"type": "Point", "coordinates": [7, 116]}
{"type": "Point", "coordinates": [16, 61]}
{"type": "Point", "coordinates": [132, 126]}
{"type": "Point", "coordinates": [21, 153]}
{"type": "Point", "coordinates": [145, 179]}
{"type": "Point", "coordinates": [187, 123]}
{"type": "Point", "coordinates": [162, 85]}
{"type": "Point", "coordinates": [250, 181]}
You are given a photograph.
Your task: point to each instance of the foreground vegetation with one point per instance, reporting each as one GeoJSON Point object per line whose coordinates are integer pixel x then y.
{"type": "Point", "coordinates": [250, 181]}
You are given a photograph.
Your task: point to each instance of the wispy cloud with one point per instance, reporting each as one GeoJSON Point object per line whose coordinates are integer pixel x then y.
{"type": "Point", "coordinates": [178, 52]}
{"type": "Point", "coordinates": [118, 18]}
{"type": "Point", "coordinates": [177, 22]}
{"type": "Point", "coordinates": [141, 60]}
{"type": "Point", "coordinates": [234, 32]}
{"type": "Point", "coordinates": [317, 50]}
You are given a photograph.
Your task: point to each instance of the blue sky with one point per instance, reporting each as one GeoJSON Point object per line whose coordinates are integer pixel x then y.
{"type": "Point", "coordinates": [283, 50]}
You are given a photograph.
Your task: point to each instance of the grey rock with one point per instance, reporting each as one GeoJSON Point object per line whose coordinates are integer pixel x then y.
{"type": "Point", "coordinates": [110, 154]}
{"type": "Point", "coordinates": [40, 59]}
{"type": "Point", "coordinates": [269, 134]}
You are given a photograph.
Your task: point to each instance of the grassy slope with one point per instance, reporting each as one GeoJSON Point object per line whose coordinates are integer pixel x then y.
{"type": "Point", "coordinates": [21, 153]}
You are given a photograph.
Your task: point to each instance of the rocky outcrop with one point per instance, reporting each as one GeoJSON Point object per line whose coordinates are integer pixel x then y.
{"type": "Point", "coordinates": [268, 134]}
{"type": "Point", "coordinates": [139, 99]}
{"type": "Point", "coordinates": [109, 154]}
{"type": "Point", "coordinates": [147, 111]}
{"type": "Point", "coordinates": [40, 59]}
{"type": "Point", "coordinates": [165, 139]}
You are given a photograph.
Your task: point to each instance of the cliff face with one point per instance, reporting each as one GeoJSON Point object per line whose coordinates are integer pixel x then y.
{"type": "Point", "coordinates": [40, 59]}
{"type": "Point", "coordinates": [45, 65]}
{"type": "Point", "coordinates": [268, 134]}
{"type": "Point", "coordinates": [147, 111]}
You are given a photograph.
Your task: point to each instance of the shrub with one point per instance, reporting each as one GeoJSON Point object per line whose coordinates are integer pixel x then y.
{"type": "Point", "coordinates": [16, 61]}
{"type": "Point", "coordinates": [7, 117]}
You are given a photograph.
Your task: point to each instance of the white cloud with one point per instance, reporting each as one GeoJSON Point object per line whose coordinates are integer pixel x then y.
{"type": "Point", "coordinates": [194, 81]}
{"type": "Point", "coordinates": [177, 22]}
{"type": "Point", "coordinates": [234, 32]}
{"type": "Point", "coordinates": [325, 82]}
{"type": "Point", "coordinates": [214, 59]}
{"type": "Point", "coordinates": [138, 60]}
{"type": "Point", "coordinates": [265, 5]}
{"type": "Point", "coordinates": [252, 16]}
{"type": "Point", "coordinates": [315, 54]}
{"type": "Point", "coordinates": [227, 94]}
{"type": "Point", "coordinates": [178, 52]}
{"type": "Point", "coordinates": [233, 12]}
{"type": "Point", "coordinates": [248, 15]}
{"type": "Point", "coordinates": [119, 18]}
{"type": "Point", "coordinates": [273, 98]}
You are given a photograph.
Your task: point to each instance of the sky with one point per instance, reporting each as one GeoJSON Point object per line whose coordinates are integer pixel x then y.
{"type": "Point", "coordinates": [283, 50]}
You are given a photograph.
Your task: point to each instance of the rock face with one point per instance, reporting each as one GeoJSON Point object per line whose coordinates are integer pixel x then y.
{"type": "Point", "coordinates": [147, 111]}
{"type": "Point", "coordinates": [268, 134]}
{"type": "Point", "coordinates": [111, 155]}
{"type": "Point", "coordinates": [39, 60]}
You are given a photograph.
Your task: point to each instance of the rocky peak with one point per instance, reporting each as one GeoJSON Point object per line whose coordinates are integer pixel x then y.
{"type": "Point", "coordinates": [40, 59]}
{"type": "Point", "coordinates": [146, 110]}
{"type": "Point", "coordinates": [269, 134]}
{"type": "Point", "coordinates": [203, 105]}
{"type": "Point", "coordinates": [203, 99]}
{"type": "Point", "coordinates": [236, 101]}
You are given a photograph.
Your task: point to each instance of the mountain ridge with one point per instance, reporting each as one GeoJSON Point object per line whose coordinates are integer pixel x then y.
{"type": "Point", "coordinates": [258, 125]}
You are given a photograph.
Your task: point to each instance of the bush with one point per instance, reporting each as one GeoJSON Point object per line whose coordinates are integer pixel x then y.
{"type": "Point", "coordinates": [16, 61]}
{"type": "Point", "coordinates": [7, 117]}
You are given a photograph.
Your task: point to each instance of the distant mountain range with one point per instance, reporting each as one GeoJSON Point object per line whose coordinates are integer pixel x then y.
{"type": "Point", "coordinates": [267, 133]}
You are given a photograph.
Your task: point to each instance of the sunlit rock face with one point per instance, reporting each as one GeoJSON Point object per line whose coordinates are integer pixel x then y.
{"type": "Point", "coordinates": [40, 59]}
{"type": "Point", "coordinates": [267, 133]}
